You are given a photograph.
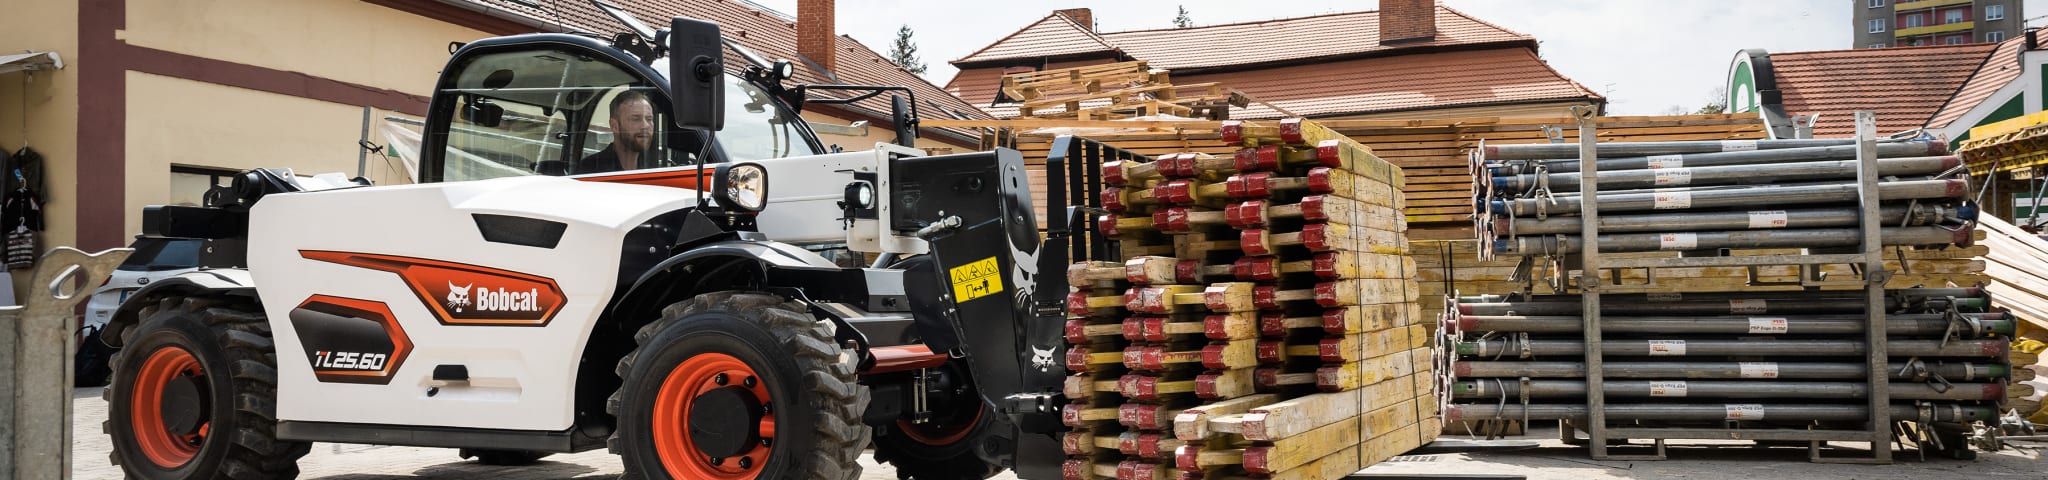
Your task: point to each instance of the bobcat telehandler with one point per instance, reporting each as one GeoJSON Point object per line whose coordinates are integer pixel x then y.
{"type": "Point", "coordinates": [522, 300]}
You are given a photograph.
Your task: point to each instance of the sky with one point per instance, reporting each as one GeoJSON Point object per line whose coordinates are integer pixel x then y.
{"type": "Point", "coordinates": [1649, 57]}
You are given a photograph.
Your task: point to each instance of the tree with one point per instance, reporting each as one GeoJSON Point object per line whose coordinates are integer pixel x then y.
{"type": "Point", "coordinates": [1181, 20]}
{"type": "Point", "coordinates": [904, 52]}
{"type": "Point", "coordinates": [1717, 101]}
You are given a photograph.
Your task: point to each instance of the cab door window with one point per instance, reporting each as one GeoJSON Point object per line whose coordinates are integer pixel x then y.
{"type": "Point", "coordinates": [531, 112]}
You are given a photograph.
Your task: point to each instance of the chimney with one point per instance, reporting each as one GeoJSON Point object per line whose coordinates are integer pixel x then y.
{"type": "Point", "coordinates": [816, 38]}
{"type": "Point", "coordinates": [1407, 21]}
{"type": "Point", "coordinates": [1081, 16]}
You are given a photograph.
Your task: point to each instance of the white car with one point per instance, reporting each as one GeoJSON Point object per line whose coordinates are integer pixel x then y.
{"type": "Point", "coordinates": [154, 259]}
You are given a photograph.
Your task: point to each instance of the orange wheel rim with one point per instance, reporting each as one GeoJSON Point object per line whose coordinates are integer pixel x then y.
{"type": "Point", "coordinates": [939, 436]}
{"type": "Point", "coordinates": [164, 448]}
{"type": "Point", "coordinates": [679, 454]}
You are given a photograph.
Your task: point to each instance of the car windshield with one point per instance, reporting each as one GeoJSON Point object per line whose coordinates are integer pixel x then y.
{"type": "Point", "coordinates": [755, 129]}
{"type": "Point", "coordinates": [158, 254]}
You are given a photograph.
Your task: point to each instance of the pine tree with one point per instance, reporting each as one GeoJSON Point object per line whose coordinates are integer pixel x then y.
{"type": "Point", "coordinates": [904, 52]}
{"type": "Point", "coordinates": [1182, 20]}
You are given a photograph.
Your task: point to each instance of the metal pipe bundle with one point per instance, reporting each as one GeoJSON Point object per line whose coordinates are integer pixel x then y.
{"type": "Point", "coordinates": [1970, 325]}
{"type": "Point", "coordinates": [1492, 388]}
{"type": "Point", "coordinates": [1716, 159]}
{"type": "Point", "coordinates": [1696, 307]}
{"type": "Point", "coordinates": [1894, 215]}
{"type": "Point", "coordinates": [1634, 149]}
{"type": "Point", "coordinates": [1728, 175]}
{"type": "Point", "coordinates": [1687, 241]}
{"type": "Point", "coordinates": [1908, 371]}
{"type": "Point", "coordinates": [1941, 412]}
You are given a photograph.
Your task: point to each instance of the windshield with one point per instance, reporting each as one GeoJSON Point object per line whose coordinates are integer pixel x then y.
{"type": "Point", "coordinates": [755, 129]}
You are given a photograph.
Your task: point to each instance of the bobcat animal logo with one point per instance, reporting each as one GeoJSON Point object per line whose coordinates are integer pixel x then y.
{"type": "Point", "coordinates": [1042, 358]}
{"type": "Point", "coordinates": [458, 297]}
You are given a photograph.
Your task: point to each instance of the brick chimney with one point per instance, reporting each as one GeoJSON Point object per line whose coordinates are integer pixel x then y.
{"type": "Point", "coordinates": [1407, 21]}
{"type": "Point", "coordinates": [1081, 16]}
{"type": "Point", "coordinates": [816, 38]}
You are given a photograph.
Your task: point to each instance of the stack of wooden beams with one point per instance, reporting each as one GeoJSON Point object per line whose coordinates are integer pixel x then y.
{"type": "Point", "coordinates": [1113, 91]}
{"type": "Point", "coordinates": [2017, 262]}
{"type": "Point", "coordinates": [1264, 323]}
{"type": "Point", "coordinates": [1431, 152]}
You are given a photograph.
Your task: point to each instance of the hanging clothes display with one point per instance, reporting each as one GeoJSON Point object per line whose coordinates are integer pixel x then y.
{"type": "Point", "coordinates": [21, 207]}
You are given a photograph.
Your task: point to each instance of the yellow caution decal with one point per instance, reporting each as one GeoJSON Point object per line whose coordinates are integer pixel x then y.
{"type": "Point", "coordinates": [975, 280]}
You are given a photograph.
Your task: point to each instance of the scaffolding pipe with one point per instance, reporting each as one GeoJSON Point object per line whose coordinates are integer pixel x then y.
{"type": "Point", "coordinates": [1916, 371]}
{"type": "Point", "coordinates": [1756, 389]}
{"type": "Point", "coordinates": [1942, 412]}
{"type": "Point", "coordinates": [1678, 199]}
{"type": "Point", "coordinates": [1510, 348]}
{"type": "Point", "coordinates": [1551, 245]}
{"type": "Point", "coordinates": [1790, 296]}
{"type": "Point", "coordinates": [1729, 175]}
{"type": "Point", "coordinates": [1893, 215]}
{"type": "Point", "coordinates": [1535, 151]}
{"type": "Point", "coordinates": [1711, 307]}
{"type": "Point", "coordinates": [1926, 324]}
{"type": "Point", "coordinates": [1802, 154]}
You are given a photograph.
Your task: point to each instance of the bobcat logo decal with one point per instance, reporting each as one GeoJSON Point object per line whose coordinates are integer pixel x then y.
{"type": "Point", "coordinates": [1042, 358]}
{"type": "Point", "coordinates": [458, 297]}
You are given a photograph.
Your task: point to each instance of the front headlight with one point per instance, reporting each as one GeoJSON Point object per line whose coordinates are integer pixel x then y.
{"type": "Point", "coordinates": [743, 187]}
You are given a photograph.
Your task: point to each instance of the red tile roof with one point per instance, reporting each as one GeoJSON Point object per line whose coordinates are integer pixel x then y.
{"type": "Point", "coordinates": [772, 36]}
{"type": "Point", "coordinates": [1052, 36]}
{"type": "Point", "coordinates": [1999, 69]}
{"type": "Point", "coordinates": [1291, 39]}
{"type": "Point", "coordinates": [1904, 85]}
{"type": "Point", "coordinates": [1406, 82]}
{"type": "Point", "coordinates": [1287, 39]}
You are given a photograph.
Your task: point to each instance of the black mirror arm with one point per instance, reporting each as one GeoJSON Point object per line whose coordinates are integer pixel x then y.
{"type": "Point", "coordinates": [872, 91]}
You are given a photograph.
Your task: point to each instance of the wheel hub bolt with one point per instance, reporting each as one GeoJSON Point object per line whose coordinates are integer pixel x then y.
{"type": "Point", "coordinates": [717, 461]}
{"type": "Point", "coordinates": [767, 442]}
{"type": "Point", "coordinates": [719, 379]}
{"type": "Point", "coordinates": [749, 381]}
{"type": "Point", "coordinates": [746, 462]}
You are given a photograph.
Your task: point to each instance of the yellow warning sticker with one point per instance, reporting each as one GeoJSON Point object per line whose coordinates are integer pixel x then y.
{"type": "Point", "coordinates": [976, 280]}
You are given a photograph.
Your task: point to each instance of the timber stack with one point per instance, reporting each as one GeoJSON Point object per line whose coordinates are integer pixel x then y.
{"type": "Point", "coordinates": [1675, 363]}
{"type": "Point", "coordinates": [1263, 321]}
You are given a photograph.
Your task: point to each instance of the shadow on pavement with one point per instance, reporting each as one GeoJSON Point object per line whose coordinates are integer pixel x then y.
{"type": "Point", "coordinates": [470, 470]}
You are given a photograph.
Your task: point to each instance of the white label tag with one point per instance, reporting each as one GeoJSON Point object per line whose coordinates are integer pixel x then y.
{"type": "Point", "coordinates": [1738, 145]}
{"type": "Point", "coordinates": [1755, 305]}
{"type": "Point", "coordinates": [1672, 200]}
{"type": "Point", "coordinates": [1759, 369]}
{"type": "Point", "coordinates": [1666, 161]}
{"type": "Point", "coordinates": [1671, 177]}
{"type": "Point", "coordinates": [1678, 241]}
{"type": "Point", "coordinates": [1665, 296]}
{"type": "Point", "coordinates": [1767, 219]}
{"type": "Point", "coordinates": [1659, 348]}
{"type": "Point", "coordinates": [1664, 388]}
{"type": "Point", "coordinates": [1745, 411]}
{"type": "Point", "coordinates": [1767, 325]}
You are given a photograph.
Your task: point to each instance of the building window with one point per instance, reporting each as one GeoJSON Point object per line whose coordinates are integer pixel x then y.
{"type": "Point", "coordinates": [1952, 16]}
{"type": "Point", "coordinates": [1877, 25]}
{"type": "Point", "coordinates": [1911, 21]}
{"type": "Point", "coordinates": [1877, 45]}
{"type": "Point", "coordinates": [1994, 36]}
{"type": "Point", "coordinates": [1876, 3]}
{"type": "Point", "coordinates": [1953, 40]}
{"type": "Point", "coordinates": [1994, 12]}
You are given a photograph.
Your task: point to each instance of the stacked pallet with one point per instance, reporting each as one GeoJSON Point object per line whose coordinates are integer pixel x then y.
{"type": "Point", "coordinates": [1116, 90]}
{"type": "Point", "coordinates": [1262, 324]}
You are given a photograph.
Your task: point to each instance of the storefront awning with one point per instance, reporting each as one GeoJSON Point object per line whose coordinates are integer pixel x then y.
{"type": "Point", "coordinates": [31, 62]}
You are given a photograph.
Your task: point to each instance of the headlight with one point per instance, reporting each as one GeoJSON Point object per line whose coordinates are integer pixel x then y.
{"type": "Point", "coordinates": [743, 187]}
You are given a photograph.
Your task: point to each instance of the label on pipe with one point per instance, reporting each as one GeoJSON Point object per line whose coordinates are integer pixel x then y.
{"type": "Point", "coordinates": [1666, 161]}
{"type": "Point", "coordinates": [1747, 306]}
{"type": "Point", "coordinates": [1672, 200]}
{"type": "Point", "coordinates": [1665, 296]}
{"type": "Point", "coordinates": [1767, 325]}
{"type": "Point", "coordinates": [1745, 411]}
{"type": "Point", "coordinates": [1759, 369]}
{"type": "Point", "coordinates": [1659, 348]}
{"type": "Point", "coordinates": [1674, 177]}
{"type": "Point", "coordinates": [1665, 388]}
{"type": "Point", "coordinates": [1678, 241]}
{"type": "Point", "coordinates": [1738, 145]}
{"type": "Point", "coordinates": [1767, 219]}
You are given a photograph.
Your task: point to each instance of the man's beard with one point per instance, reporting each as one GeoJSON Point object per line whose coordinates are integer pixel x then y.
{"type": "Point", "coordinates": [637, 143]}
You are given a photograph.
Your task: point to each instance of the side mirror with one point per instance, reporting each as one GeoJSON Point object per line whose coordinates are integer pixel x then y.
{"type": "Point", "coordinates": [696, 74]}
{"type": "Point", "coordinates": [906, 121]}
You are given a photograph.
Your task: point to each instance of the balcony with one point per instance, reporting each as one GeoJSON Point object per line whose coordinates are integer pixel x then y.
{"type": "Point", "coordinates": [1934, 29]}
{"type": "Point", "coordinates": [1903, 7]}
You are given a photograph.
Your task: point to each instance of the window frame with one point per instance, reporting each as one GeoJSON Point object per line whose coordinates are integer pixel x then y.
{"type": "Point", "coordinates": [1994, 12]}
{"type": "Point", "coordinates": [1954, 16]}
{"type": "Point", "coordinates": [1877, 25]}
{"type": "Point", "coordinates": [1999, 33]}
{"type": "Point", "coordinates": [1876, 45]}
{"type": "Point", "coordinates": [1876, 3]}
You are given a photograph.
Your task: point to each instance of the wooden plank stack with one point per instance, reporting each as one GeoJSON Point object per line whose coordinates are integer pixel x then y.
{"type": "Point", "coordinates": [1264, 323]}
{"type": "Point", "coordinates": [1116, 90]}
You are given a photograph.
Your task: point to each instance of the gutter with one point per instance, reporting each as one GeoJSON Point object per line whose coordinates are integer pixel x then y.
{"type": "Point", "coordinates": [508, 15]}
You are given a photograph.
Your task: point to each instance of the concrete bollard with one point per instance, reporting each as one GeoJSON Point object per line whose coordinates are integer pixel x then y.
{"type": "Point", "coordinates": [35, 363]}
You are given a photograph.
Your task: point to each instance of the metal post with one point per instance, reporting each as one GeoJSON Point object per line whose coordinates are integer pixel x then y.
{"type": "Point", "coordinates": [362, 144]}
{"type": "Point", "coordinates": [1589, 277]}
{"type": "Point", "coordinates": [1876, 276]}
{"type": "Point", "coordinates": [35, 412]}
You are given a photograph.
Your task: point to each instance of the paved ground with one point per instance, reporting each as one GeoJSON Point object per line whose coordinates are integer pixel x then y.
{"type": "Point", "coordinates": [1549, 460]}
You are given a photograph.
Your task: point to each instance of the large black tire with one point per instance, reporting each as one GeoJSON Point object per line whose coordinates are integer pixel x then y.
{"type": "Point", "coordinates": [804, 381]}
{"type": "Point", "coordinates": [947, 454]}
{"type": "Point", "coordinates": [509, 458]}
{"type": "Point", "coordinates": [221, 350]}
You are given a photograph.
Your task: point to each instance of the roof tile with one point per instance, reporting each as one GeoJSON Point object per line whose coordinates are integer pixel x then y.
{"type": "Point", "coordinates": [1999, 69]}
{"type": "Point", "coordinates": [1054, 35]}
{"type": "Point", "coordinates": [1905, 86]}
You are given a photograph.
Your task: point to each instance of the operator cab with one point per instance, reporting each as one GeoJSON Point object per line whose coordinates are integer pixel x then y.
{"type": "Point", "coordinates": [554, 104]}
